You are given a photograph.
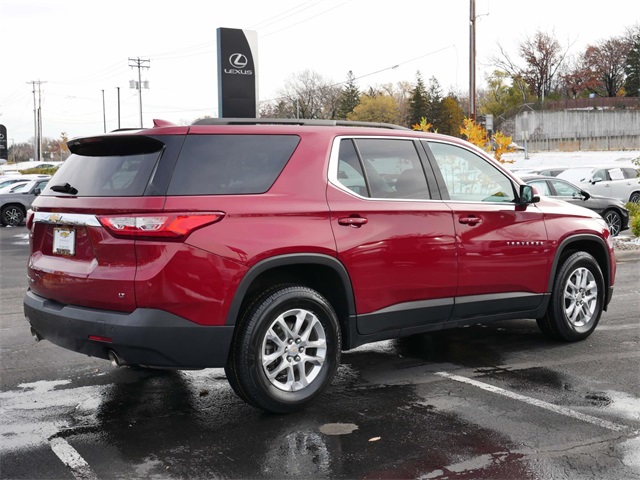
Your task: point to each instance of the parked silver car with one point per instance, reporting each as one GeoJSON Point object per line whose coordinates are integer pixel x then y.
{"type": "Point", "coordinates": [14, 206]}
{"type": "Point", "coordinates": [617, 181]}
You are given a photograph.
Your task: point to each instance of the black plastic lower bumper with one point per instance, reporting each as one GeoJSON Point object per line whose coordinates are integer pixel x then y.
{"type": "Point", "coordinates": [143, 337]}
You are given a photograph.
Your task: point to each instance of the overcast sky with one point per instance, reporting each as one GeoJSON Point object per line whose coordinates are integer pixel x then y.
{"type": "Point", "coordinates": [81, 47]}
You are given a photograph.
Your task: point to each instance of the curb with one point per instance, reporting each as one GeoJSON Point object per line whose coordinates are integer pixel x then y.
{"type": "Point", "coordinates": [627, 255]}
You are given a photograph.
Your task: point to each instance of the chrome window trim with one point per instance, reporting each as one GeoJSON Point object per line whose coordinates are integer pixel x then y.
{"type": "Point", "coordinates": [79, 219]}
{"type": "Point", "coordinates": [333, 170]}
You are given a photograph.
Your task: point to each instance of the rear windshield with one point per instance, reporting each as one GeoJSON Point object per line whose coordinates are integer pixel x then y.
{"type": "Point", "coordinates": [230, 164]}
{"type": "Point", "coordinates": [111, 167]}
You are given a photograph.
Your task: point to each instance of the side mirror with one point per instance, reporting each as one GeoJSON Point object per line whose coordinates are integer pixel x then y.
{"type": "Point", "coordinates": [595, 180]}
{"type": "Point", "coordinates": [37, 192]}
{"type": "Point", "coordinates": [586, 195]}
{"type": "Point", "coordinates": [527, 195]}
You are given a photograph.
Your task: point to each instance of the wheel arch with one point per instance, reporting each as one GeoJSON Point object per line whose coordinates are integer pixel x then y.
{"type": "Point", "coordinates": [594, 246]}
{"type": "Point", "coordinates": [14, 204]}
{"type": "Point", "coordinates": [323, 273]}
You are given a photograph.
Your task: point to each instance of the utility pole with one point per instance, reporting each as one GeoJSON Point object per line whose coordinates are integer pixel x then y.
{"type": "Point", "coordinates": [472, 60]}
{"type": "Point", "coordinates": [37, 120]}
{"type": "Point", "coordinates": [104, 113]}
{"type": "Point", "coordinates": [118, 88]}
{"type": "Point", "coordinates": [139, 63]}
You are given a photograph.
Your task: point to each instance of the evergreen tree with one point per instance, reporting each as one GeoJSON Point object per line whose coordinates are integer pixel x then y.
{"type": "Point", "coordinates": [435, 109]}
{"type": "Point", "coordinates": [349, 97]}
{"type": "Point", "coordinates": [452, 117]}
{"type": "Point", "coordinates": [632, 70]}
{"type": "Point", "coordinates": [418, 103]}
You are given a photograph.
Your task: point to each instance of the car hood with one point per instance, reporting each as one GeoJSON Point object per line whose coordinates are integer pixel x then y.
{"type": "Point", "coordinates": [606, 200]}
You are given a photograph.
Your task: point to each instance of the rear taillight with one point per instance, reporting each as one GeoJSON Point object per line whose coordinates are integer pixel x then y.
{"type": "Point", "coordinates": [29, 222]}
{"type": "Point", "coordinates": [166, 226]}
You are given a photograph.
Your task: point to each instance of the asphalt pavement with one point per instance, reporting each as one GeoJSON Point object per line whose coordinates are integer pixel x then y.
{"type": "Point", "coordinates": [487, 401]}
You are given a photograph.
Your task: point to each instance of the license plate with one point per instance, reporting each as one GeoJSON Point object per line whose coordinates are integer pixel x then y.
{"type": "Point", "coordinates": [64, 241]}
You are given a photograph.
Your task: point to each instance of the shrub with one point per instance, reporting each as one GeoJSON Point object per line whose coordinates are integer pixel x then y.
{"type": "Point", "coordinates": [634, 217]}
{"type": "Point", "coordinates": [635, 225]}
{"type": "Point", "coordinates": [40, 171]}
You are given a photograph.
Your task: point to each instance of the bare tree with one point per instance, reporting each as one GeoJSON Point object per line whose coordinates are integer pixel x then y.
{"type": "Point", "coordinates": [311, 96]}
{"type": "Point", "coordinates": [504, 62]}
{"type": "Point", "coordinates": [604, 65]}
{"type": "Point", "coordinates": [543, 57]}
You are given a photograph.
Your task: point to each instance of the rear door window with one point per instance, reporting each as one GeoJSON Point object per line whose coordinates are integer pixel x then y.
{"type": "Point", "coordinates": [230, 164]}
{"type": "Point", "coordinates": [382, 168]}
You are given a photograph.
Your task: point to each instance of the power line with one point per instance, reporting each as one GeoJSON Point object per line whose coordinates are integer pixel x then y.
{"type": "Point", "coordinates": [276, 19]}
{"type": "Point", "coordinates": [305, 20]}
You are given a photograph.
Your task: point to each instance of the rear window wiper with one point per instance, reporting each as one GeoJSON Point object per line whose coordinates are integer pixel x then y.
{"type": "Point", "coordinates": [66, 188]}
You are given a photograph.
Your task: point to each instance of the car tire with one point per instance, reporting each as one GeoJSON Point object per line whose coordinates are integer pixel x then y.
{"type": "Point", "coordinates": [635, 197]}
{"type": "Point", "coordinates": [286, 349]}
{"type": "Point", "coordinates": [577, 299]}
{"type": "Point", "coordinates": [614, 221]}
{"type": "Point", "coordinates": [11, 215]}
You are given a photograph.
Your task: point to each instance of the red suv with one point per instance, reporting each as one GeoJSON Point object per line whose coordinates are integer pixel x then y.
{"type": "Point", "coordinates": [267, 247]}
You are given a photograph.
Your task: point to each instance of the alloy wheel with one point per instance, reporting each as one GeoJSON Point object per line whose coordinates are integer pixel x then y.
{"type": "Point", "coordinates": [294, 350]}
{"type": "Point", "coordinates": [580, 297]}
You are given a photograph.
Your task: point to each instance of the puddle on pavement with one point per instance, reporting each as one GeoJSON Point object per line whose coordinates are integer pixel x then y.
{"type": "Point", "coordinates": [568, 391]}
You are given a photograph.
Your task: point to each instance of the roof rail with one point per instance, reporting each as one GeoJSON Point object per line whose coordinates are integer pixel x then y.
{"type": "Point", "coordinates": [295, 121]}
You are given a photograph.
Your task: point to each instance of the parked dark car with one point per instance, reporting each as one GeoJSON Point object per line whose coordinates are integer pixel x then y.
{"type": "Point", "coordinates": [14, 206]}
{"type": "Point", "coordinates": [612, 210]}
{"type": "Point", "coordinates": [269, 246]}
{"type": "Point", "coordinates": [546, 171]}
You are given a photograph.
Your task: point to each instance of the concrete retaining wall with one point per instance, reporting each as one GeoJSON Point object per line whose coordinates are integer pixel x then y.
{"type": "Point", "coordinates": [572, 130]}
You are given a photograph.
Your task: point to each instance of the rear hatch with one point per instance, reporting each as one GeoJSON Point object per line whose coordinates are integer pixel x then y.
{"type": "Point", "coordinates": [85, 223]}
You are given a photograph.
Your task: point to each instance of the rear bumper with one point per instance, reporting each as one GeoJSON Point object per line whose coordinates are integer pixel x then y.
{"type": "Point", "coordinates": [143, 337]}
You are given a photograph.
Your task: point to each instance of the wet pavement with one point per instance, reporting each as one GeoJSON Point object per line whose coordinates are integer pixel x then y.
{"type": "Point", "coordinates": [494, 401]}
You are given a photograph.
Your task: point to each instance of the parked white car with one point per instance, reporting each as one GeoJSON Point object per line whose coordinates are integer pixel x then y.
{"type": "Point", "coordinates": [12, 187]}
{"type": "Point", "coordinates": [8, 179]}
{"type": "Point", "coordinates": [617, 181]}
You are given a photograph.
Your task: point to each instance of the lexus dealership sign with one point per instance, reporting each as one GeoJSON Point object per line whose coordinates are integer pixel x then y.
{"type": "Point", "coordinates": [237, 73]}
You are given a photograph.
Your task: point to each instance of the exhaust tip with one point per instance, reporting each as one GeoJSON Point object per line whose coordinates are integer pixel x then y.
{"type": "Point", "coordinates": [114, 359]}
{"type": "Point", "coordinates": [36, 336]}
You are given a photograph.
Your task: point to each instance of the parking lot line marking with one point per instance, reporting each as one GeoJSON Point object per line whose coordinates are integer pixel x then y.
{"type": "Point", "coordinates": [72, 459]}
{"type": "Point", "coordinates": [535, 402]}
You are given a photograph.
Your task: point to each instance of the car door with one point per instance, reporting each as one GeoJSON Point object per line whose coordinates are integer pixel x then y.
{"type": "Point", "coordinates": [632, 189]}
{"type": "Point", "coordinates": [502, 247]}
{"type": "Point", "coordinates": [610, 182]}
{"type": "Point", "coordinates": [395, 239]}
{"type": "Point", "coordinates": [619, 186]}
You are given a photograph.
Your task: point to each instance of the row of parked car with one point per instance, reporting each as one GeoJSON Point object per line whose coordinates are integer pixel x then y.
{"type": "Point", "coordinates": [603, 189]}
